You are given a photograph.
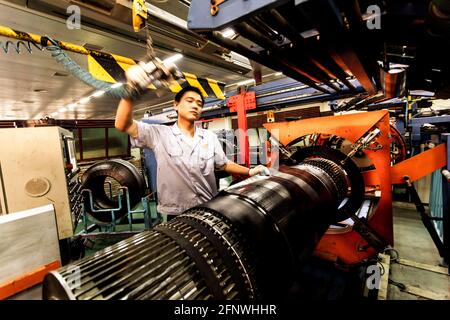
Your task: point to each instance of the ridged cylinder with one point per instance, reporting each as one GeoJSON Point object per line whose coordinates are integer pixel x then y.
{"type": "Point", "coordinates": [247, 243]}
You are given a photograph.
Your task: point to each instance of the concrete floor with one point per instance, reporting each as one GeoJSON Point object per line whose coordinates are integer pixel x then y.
{"type": "Point", "coordinates": [413, 242]}
{"type": "Point", "coordinates": [34, 293]}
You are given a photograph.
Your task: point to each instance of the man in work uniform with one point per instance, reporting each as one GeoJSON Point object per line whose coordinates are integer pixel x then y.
{"type": "Point", "coordinates": [186, 156]}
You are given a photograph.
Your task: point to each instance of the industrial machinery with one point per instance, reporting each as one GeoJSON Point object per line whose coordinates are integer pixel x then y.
{"type": "Point", "coordinates": [247, 243]}
{"type": "Point", "coordinates": [38, 167]}
{"type": "Point", "coordinates": [330, 197]}
{"type": "Point", "coordinates": [366, 138]}
{"type": "Point", "coordinates": [425, 133]}
{"type": "Point", "coordinates": [125, 175]}
{"type": "Point", "coordinates": [325, 43]}
{"type": "Point", "coordinates": [114, 193]}
{"type": "Point", "coordinates": [252, 239]}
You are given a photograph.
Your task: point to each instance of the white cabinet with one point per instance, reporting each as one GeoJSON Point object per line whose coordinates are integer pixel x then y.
{"type": "Point", "coordinates": [35, 166]}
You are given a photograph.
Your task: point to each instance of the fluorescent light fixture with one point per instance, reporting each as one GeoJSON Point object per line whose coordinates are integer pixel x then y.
{"type": "Point", "coordinates": [310, 33]}
{"type": "Point", "coordinates": [98, 93]}
{"type": "Point", "coordinates": [423, 93]}
{"type": "Point", "coordinates": [71, 106]}
{"type": "Point", "coordinates": [54, 114]}
{"type": "Point", "coordinates": [63, 109]}
{"type": "Point", "coordinates": [173, 59]}
{"type": "Point", "coordinates": [172, 115]}
{"type": "Point", "coordinates": [84, 100]}
{"type": "Point", "coordinates": [396, 70]}
{"type": "Point", "coordinates": [398, 65]}
{"type": "Point", "coordinates": [370, 16]}
{"type": "Point", "coordinates": [278, 74]}
{"type": "Point", "coordinates": [243, 83]}
{"type": "Point", "coordinates": [228, 33]}
{"type": "Point", "coordinates": [117, 85]}
{"type": "Point", "coordinates": [187, 3]}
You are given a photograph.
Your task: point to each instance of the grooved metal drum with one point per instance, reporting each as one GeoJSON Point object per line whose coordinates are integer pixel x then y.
{"type": "Point", "coordinates": [246, 243]}
{"type": "Point", "coordinates": [176, 260]}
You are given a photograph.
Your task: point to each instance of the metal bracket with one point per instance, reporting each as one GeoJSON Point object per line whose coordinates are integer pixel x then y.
{"type": "Point", "coordinates": [139, 14]}
{"type": "Point", "coordinates": [363, 143]}
{"type": "Point", "coordinates": [215, 6]}
{"type": "Point", "coordinates": [368, 233]}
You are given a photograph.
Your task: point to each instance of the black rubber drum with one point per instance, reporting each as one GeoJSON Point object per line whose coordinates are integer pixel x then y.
{"type": "Point", "coordinates": [125, 174]}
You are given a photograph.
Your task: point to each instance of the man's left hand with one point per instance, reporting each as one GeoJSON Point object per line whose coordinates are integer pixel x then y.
{"type": "Point", "coordinates": [260, 169]}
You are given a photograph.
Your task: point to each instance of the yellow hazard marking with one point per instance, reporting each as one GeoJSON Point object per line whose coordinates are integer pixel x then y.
{"type": "Point", "coordinates": [215, 88]}
{"type": "Point", "coordinates": [98, 72]}
{"type": "Point", "coordinates": [175, 87]}
{"type": "Point", "coordinates": [192, 80]}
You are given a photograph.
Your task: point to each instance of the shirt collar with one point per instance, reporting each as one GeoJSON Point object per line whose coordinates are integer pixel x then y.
{"type": "Point", "coordinates": [176, 130]}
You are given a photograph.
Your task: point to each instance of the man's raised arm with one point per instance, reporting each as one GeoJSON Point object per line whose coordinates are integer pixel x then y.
{"type": "Point", "coordinates": [124, 118]}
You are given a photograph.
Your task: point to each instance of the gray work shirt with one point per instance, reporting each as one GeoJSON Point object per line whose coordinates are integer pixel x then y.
{"type": "Point", "coordinates": [185, 175]}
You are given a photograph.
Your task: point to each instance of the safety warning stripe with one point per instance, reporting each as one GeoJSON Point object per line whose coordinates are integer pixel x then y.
{"type": "Point", "coordinates": [111, 68]}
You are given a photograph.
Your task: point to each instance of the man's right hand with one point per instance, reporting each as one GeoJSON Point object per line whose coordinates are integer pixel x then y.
{"type": "Point", "coordinates": [137, 76]}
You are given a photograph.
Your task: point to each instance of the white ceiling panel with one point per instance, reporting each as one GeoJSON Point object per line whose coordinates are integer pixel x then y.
{"type": "Point", "coordinates": [29, 89]}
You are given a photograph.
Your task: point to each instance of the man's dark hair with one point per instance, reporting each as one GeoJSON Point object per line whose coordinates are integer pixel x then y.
{"type": "Point", "coordinates": [181, 93]}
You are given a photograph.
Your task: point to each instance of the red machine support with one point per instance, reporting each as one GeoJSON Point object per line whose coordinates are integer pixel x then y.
{"type": "Point", "coordinates": [241, 103]}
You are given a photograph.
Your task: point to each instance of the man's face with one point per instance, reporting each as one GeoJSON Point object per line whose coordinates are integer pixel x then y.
{"type": "Point", "coordinates": [190, 106]}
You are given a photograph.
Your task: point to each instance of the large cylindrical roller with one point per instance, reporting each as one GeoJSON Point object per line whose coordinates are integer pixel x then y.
{"type": "Point", "coordinates": [247, 243]}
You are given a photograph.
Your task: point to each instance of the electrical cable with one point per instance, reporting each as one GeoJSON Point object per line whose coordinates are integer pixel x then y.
{"type": "Point", "coordinates": [396, 256]}
{"type": "Point", "coordinates": [400, 285]}
{"type": "Point", "coordinates": [382, 269]}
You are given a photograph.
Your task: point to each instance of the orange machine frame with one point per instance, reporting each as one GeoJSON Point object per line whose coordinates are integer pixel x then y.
{"type": "Point", "coordinates": [349, 247]}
